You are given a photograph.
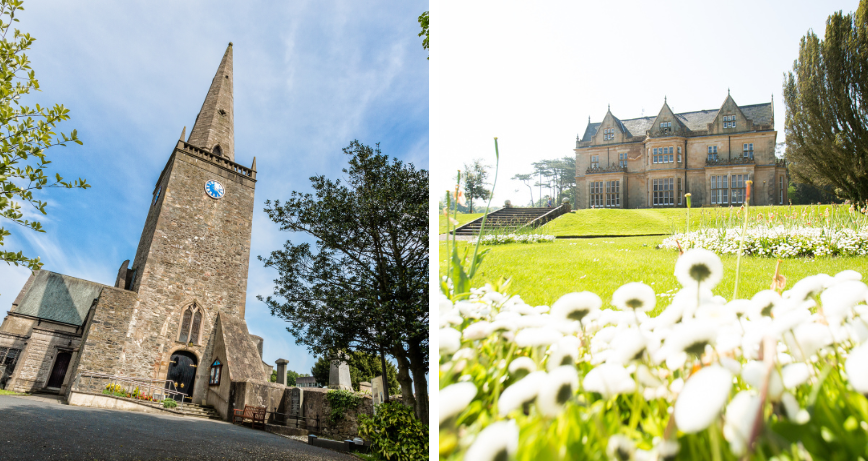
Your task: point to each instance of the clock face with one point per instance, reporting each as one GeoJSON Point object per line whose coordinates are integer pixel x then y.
{"type": "Point", "coordinates": [214, 189]}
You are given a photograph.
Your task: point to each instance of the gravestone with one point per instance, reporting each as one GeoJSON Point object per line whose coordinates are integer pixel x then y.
{"type": "Point", "coordinates": [296, 402]}
{"type": "Point", "coordinates": [339, 375]}
{"type": "Point", "coordinates": [378, 393]}
{"type": "Point", "coordinates": [365, 387]}
{"type": "Point", "coordinates": [281, 371]}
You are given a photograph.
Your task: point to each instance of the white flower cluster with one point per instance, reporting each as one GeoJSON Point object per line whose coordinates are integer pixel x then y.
{"type": "Point", "coordinates": [777, 241]}
{"type": "Point", "coordinates": [708, 359]}
{"type": "Point", "coordinates": [501, 239]}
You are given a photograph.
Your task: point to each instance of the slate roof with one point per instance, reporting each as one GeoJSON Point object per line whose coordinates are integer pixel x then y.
{"type": "Point", "coordinates": [760, 114]}
{"type": "Point", "coordinates": [59, 297]}
{"type": "Point", "coordinates": [242, 357]}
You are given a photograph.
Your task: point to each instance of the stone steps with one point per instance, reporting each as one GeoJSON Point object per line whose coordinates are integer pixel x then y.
{"type": "Point", "coordinates": [505, 218]}
{"type": "Point", "coordinates": [192, 410]}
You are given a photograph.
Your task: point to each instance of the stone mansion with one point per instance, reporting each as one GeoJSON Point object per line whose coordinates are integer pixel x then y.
{"type": "Point", "coordinates": [653, 161]}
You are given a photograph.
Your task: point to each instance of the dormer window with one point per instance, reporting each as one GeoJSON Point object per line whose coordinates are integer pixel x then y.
{"type": "Point", "coordinates": [729, 121]}
{"type": "Point", "coordinates": [609, 134]}
{"type": "Point", "coordinates": [665, 127]}
{"type": "Point", "coordinates": [191, 322]}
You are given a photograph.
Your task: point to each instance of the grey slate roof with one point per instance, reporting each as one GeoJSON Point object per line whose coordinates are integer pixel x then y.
{"type": "Point", "coordinates": [59, 297]}
{"type": "Point", "coordinates": [760, 114]}
{"type": "Point", "coordinates": [242, 357]}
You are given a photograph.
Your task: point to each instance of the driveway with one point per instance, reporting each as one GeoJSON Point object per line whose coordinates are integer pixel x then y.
{"type": "Point", "coordinates": [38, 428]}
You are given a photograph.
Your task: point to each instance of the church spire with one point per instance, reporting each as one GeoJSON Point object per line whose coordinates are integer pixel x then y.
{"type": "Point", "coordinates": [214, 129]}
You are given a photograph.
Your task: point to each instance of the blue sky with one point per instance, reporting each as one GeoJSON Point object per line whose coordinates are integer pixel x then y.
{"type": "Point", "coordinates": [310, 76]}
{"type": "Point", "coordinates": [532, 73]}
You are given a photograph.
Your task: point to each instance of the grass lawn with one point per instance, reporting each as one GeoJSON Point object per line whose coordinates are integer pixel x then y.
{"type": "Point", "coordinates": [463, 218]}
{"type": "Point", "coordinates": [5, 392]}
{"type": "Point", "coordinates": [543, 272]}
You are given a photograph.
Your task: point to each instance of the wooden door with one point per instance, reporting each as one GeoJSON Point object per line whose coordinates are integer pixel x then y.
{"type": "Point", "coordinates": [182, 372]}
{"type": "Point", "coordinates": [61, 363]}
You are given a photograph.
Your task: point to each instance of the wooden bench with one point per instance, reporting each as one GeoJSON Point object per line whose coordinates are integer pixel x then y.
{"type": "Point", "coordinates": [256, 415]}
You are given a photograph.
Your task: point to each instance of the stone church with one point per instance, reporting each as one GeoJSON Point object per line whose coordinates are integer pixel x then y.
{"type": "Point", "coordinates": [175, 315]}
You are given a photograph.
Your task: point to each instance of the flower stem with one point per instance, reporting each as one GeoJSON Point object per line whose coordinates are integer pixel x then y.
{"type": "Point", "coordinates": [741, 246]}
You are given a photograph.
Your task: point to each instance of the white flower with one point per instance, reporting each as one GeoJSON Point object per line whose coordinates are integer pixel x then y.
{"type": "Point", "coordinates": [807, 287]}
{"type": "Point", "coordinates": [558, 387]}
{"type": "Point", "coordinates": [699, 267]}
{"type": "Point", "coordinates": [565, 352]}
{"type": "Point", "coordinates": [690, 336]}
{"type": "Point", "coordinates": [455, 398]}
{"type": "Point", "coordinates": [498, 441]}
{"type": "Point", "coordinates": [627, 346]}
{"type": "Point", "coordinates": [795, 374]}
{"type": "Point", "coordinates": [576, 306]}
{"type": "Point", "coordinates": [807, 339]}
{"type": "Point", "coordinates": [543, 336]}
{"type": "Point", "coordinates": [857, 368]}
{"type": "Point", "coordinates": [754, 373]}
{"type": "Point", "coordinates": [740, 416]}
{"type": "Point", "coordinates": [477, 330]}
{"type": "Point", "coordinates": [620, 448]}
{"type": "Point", "coordinates": [848, 274]}
{"type": "Point", "coordinates": [521, 392]}
{"type": "Point", "coordinates": [796, 413]}
{"type": "Point", "coordinates": [841, 297]}
{"type": "Point", "coordinates": [764, 302]}
{"type": "Point", "coordinates": [634, 296]}
{"type": "Point", "coordinates": [450, 340]}
{"type": "Point", "coordinates": [702, 398]}
{"type": "Point", "coordinates": [609, 380]}
{"type": "Point", "coordinates": [521, 366]}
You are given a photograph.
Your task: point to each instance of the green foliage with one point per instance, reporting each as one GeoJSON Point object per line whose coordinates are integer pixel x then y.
{"type": "Point", "coordinates": [340, 402]}
{"type": "Point", "coordinates": [423, 22]}
{"type": "Point", "coordinates": [5, 392]}
{"type": "Point", "coordinates": [806, 194]}
{"type": "Point", "coordinates": [290, 377]}
{"type": "Point", "coordinates": [25, 135]}
{"type": "Point", "coordinates": [169, 403]}
{"type": "Point", "coordinates": [825, 95]}
{"type": "Point", "coordinates": [395, 434]}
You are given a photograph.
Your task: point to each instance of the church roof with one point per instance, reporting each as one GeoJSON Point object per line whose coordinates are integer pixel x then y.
{"type": "Point", "coordinates": [58, 297]}
{"type": "Point", "coordinates": [215, 124]}
{"type": "Point", "coordinates": [759, 114]}
{"type": "Point", "coordinates": [242, 357]}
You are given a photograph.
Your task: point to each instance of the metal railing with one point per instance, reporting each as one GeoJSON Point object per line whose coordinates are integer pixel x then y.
{"type": "Point", "coordinates": [155, 390]}
{"type": "Point", "coordinates": [292, 419]}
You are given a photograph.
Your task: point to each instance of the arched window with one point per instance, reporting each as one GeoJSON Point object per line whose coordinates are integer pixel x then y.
{"type": "Point", "coordinates": [216, 371]}
{"type": "Point", "coordinates": [217, 150]}
{"type": "Point", "coordinates": [191, 323]}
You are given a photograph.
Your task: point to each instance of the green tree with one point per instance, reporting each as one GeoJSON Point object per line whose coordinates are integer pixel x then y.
{"type": "Point", "coordinates": [25, 135]}
{"type": "Point", "coordinates": [365, 285]}
{"type": "Point", "coordinates": [475, 177]}
{"type": "Point", "coordinates": [826, 95]}
{"type": "Point", "coordinates": [290, 377]}
{"type": "Point", "coordinates": [423, 22]}
{"type": "Point", "coordinates": [525, 178]}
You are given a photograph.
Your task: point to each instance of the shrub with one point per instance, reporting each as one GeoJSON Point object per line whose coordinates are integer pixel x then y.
{"type": "Point", "coordinates": [340, 401]}
{"type": "Point", "coordinates": [169, 403]}
{"type": "Point", "coordinates": [395, 433]}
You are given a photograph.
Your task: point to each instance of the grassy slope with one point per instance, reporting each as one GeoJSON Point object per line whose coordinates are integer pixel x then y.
{"type": "Point", "coordinates": [462, 219]}
{"type": "Point", "coordinates": [541, 273]}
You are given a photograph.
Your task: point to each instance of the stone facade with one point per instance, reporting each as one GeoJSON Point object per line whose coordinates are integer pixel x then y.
{"type": "Point", "coordinates": [317, 408]}
{"type": "Point", "coordinates": [653, 161]}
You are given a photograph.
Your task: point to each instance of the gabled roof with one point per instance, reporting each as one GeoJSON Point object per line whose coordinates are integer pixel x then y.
{"type": "Point", "coordinates": [58, 297]}
{"type": "Point", "coordinates": [759, 114]}
{"type": "Point", "coordinates": [242, 357]}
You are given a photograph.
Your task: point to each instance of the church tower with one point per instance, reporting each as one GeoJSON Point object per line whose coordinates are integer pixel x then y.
{"type": "Point", "coordinates": [190, 269]}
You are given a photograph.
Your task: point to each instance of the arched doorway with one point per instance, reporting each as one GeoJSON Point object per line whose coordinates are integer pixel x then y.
{"type": "Point", "coordinates": [182, 372]}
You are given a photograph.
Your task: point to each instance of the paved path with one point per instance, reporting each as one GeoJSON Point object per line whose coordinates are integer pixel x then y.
{"type": "Point", "coordinates": [40, 428]}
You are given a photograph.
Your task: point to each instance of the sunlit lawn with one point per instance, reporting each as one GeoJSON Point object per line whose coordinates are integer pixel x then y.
{"type": "Point", "coordinates": [542, 272]}
{"type": "Point", "coordinates": [462, 218]}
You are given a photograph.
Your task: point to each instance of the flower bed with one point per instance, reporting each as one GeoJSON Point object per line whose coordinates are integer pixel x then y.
{"type": "Point", "coordinates": [776, 376]}
{"type": "Point", "coordinates": [777, 241]}
{"type": "Point", "coordinates": [514, 238]}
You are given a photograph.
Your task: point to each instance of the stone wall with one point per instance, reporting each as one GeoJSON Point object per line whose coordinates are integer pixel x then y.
{"type": "Point", "coordinates": [37, 360]}
{"type": "Point", "coordinates": [316, 407]}
{"type": "Point", "coordinates": [257, 393]}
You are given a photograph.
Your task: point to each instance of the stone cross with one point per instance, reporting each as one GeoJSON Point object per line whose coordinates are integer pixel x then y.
{"type": "Point", "coordinates": [281, 371]}
{"type": "Point", "coordinates": [339, 375]}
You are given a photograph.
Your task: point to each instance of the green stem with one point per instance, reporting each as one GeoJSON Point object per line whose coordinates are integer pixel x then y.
{"type": "Point", "coordinates": [485, 215]}
{"type": "Point", "coordinates": [740, 249]}
{"type": "Point", "coordinates": [715, 442]}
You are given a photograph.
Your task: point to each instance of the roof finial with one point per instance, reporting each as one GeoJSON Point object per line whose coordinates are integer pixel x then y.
{"type": "Point", "coordinates": [183, 133]}
{"type": "Point", "coordinates": [589, 119]}
{"type": "Point", "coordinates": [664, 99]}
{"type": "Point", "coordinates": [610, 108]}
{"type": "Point", "coordinates": [727, 91]}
